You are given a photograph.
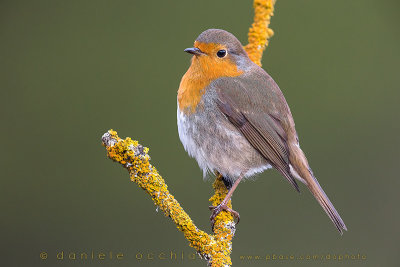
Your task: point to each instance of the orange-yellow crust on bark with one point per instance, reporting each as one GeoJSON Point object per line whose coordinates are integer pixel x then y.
{"type": "Point", "coordinates": [134, 157]}
{"type": "Point", "coordinates": [259, 33]}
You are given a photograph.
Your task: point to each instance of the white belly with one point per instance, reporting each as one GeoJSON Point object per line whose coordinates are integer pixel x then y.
{"type": "Point", "coordinates": [218, 147]}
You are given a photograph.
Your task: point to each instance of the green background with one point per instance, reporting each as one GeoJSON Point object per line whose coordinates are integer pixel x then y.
{"type": "Point", "coordinates": [71, 70]}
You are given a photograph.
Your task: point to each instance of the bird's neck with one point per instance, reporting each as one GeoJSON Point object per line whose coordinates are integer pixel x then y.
{"type": "Point", "coordinates": [200, 74]}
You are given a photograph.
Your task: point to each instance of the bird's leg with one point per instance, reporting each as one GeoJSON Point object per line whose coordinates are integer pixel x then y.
{"type": "Point", "coordinates": [223, 205]}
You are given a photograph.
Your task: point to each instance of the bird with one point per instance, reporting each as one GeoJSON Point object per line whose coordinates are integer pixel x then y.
{"type": "Point", "coordinates": [235, 121]}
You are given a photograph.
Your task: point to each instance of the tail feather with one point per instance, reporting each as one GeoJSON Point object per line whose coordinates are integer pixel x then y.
{"type": "Point", "coordinates": [305, 175]}
{"type": "Point", "coordinates": [326, 204]}
{"type": "Point", "coordinates": [322, 198]}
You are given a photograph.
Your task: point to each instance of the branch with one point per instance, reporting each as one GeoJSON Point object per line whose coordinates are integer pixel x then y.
{"type": "Point", "coordinates": [215, 248]}
{"type": "Point", "coordinates": [259, 33]}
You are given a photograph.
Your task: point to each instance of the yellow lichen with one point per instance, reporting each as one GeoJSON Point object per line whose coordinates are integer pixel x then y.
{"type": "Point", "coordinates": [259, 33]}
{"type": "Point", "coordinates": [134, 157]}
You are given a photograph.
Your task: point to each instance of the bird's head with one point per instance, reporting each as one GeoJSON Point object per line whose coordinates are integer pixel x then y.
{"type": "Point", "coordinates": [218, 52]}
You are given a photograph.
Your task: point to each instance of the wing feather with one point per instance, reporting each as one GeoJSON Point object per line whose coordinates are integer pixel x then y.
{"type": "Point", "coordinates": [263, 132]}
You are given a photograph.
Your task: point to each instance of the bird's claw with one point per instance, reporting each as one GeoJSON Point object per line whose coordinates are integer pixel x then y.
{"type": "Point", "coordinates": [217, 209]}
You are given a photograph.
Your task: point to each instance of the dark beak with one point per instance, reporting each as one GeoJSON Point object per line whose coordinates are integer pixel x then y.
{"type": "Point", "coordinates": [194, 51]}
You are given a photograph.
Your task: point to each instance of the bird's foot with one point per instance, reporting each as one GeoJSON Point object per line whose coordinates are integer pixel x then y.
{"type": "Point", "coordinates": [217, 209]}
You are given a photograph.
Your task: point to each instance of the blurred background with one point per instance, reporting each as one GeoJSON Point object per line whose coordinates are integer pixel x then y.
{"type": "Point", "coordinates": [71, 70]}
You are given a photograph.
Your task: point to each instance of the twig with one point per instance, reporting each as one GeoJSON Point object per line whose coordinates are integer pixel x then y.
{"type": "Point", "coordinates": [259, 33]}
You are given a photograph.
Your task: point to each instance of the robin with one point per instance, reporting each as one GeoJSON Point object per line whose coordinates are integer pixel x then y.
{"type": "Point", "coordinates": [234, 120]}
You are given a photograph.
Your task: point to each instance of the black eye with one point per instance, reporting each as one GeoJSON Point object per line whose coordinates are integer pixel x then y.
{"type": "Point", "coordinates": [221, 53]}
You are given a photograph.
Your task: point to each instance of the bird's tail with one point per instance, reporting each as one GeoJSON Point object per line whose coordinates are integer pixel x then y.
{"type": "Point", "coordinates": [307, 177]}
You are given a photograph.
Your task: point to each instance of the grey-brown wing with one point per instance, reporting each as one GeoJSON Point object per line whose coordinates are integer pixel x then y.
{"type": "Point", "coordinates": [263, 131]}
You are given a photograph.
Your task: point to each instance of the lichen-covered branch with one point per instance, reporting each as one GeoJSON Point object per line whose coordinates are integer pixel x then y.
{"type": "Point", "coordinates": [217, 247]}
{"type": "Point", "coordinates": [259, 33]}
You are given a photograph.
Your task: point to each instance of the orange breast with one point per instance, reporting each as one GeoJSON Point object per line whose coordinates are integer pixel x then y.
{"type": "Point", "coordinates": [203, 70]}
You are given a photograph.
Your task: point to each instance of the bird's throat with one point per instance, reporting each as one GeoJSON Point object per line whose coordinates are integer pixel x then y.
{"type": "Point", "coordinates": [200, 74]}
